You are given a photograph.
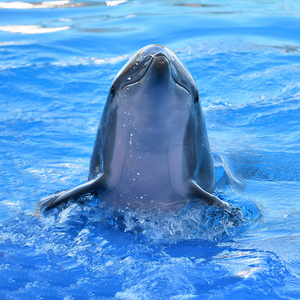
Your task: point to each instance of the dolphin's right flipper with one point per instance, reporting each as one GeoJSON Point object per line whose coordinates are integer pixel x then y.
{"type": "Point", "coordinates": [197, 192]}
{"type": "Point", "coordinates": [49, 202]}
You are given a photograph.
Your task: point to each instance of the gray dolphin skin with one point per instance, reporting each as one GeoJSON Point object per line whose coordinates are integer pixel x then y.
{"type": "Point", "coordinates": [151, 150]}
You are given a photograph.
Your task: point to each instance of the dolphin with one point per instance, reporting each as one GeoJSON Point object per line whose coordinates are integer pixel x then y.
{"type": "Point", "coordinates": [151, 149]}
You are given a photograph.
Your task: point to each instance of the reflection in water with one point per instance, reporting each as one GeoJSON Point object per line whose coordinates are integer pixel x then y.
{"type": "Point", "coordinates": [31, 29]}
{"type": "Point", "coordinates": [31, 5]}
{"type": "Point", "coordinates": [55, 4]}
{"type": "Point", "coordinates": [37, 29]}
{"type": "Point", "coordinates": [115, 2]}
{"type": "Point", "coordinates": [197, 5]}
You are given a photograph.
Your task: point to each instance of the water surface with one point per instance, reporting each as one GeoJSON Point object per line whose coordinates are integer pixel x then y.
{"type": "Point", "coordinates": [57, 61]}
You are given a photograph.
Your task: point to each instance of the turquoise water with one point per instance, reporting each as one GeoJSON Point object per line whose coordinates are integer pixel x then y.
{"type": "Point", "coordinates": [57, 60]}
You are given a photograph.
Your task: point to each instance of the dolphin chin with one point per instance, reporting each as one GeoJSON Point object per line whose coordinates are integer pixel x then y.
{"type": "Point", "coordinates": [151, 149]}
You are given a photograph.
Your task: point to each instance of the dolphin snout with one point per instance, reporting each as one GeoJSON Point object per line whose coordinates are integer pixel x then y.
{"type": "Point", "coordinates": [161, 59]}
{"type": "Point", "coordinates": [160, 64]}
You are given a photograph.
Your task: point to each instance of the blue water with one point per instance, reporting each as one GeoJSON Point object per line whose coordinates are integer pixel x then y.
{"type": "Point", "coordinates": [57, 60]}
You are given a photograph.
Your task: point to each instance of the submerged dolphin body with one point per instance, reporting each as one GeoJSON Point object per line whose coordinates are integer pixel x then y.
{"type": "Point", "coordinates": [151, 148]}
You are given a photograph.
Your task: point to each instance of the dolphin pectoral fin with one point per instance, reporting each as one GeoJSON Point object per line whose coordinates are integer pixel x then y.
{"type": "Point", "coordinates": [50, 201]}
{"type": "Point", "coordinates": [197, 192]}
{"type": "Point", "coordinates": [54, 200]}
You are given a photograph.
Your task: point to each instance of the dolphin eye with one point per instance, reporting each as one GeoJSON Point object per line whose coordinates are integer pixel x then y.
{"type": "Point", "coordinates": [113, 91]}
{"type": "Point", "coordinates": [196, 98]}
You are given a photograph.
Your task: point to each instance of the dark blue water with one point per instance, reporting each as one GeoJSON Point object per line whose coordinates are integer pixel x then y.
{"type": "Point", "coordinates": [57, 60]}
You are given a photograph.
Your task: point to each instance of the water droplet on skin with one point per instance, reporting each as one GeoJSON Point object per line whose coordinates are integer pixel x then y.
{"type": "Point", "coordinates": [138, 173]}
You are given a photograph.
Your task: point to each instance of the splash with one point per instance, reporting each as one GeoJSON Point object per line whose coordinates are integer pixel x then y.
{"type": "Point", "coordinates": [192, 222]}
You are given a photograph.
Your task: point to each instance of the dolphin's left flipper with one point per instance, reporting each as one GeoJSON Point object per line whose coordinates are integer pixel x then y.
{"type": "Point", "coordinates": [197, 192]}
{"type": "Point", "coordinates": [54, 200]}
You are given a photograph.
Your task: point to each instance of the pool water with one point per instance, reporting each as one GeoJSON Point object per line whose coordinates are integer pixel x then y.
{"type": "Point", "coordinates": [57, 61]}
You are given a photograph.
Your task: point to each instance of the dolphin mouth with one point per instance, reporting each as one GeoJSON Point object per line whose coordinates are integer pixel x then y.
{"type": "Point", "coordinates": [162, 63]}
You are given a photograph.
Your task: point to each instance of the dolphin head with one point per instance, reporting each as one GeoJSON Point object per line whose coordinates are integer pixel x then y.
{"type": "Point", "coordinates": [154, 82]}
